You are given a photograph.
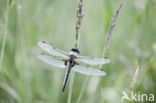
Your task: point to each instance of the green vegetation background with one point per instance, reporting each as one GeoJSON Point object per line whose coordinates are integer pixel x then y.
{"type": "Point", "coordinates": [25, 79]}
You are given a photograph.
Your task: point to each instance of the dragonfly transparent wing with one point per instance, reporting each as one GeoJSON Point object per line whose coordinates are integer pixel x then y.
{"type": "Point", "coordinates": [51, 61]}
{"type": "Point", "coordinates": [93, 61]}
{"type": "Point", "coordinates": [52, 50]}
{"type": "Point", "coordinates": [88, 70]}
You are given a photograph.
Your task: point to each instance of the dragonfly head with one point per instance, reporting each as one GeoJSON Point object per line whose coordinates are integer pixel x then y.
{"type": "Point", "coordinates": [75, 50]}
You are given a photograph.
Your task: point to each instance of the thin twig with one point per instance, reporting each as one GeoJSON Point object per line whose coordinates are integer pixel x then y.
{"type": "Point", "coordinates": [112, 25]}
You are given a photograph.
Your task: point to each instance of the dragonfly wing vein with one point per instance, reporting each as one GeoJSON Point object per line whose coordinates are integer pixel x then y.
{"type": "Point", "coordinates": [52, 50]}
{"type": "Point", "coordinates": [88, 70]}
{"type": "Point", "coordinates": [51, 61]}
{"type": "Point", "coordinates": [93, 61]}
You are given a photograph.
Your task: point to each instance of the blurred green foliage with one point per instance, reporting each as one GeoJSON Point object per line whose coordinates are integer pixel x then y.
{"type": "Point", "coordinates": [25, 79]}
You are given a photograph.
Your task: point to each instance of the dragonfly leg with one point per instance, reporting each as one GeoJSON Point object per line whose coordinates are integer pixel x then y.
{"type": "Point", "coordinates": [65, 63]}
{"type": "Point", "coordinates": [72, 64]}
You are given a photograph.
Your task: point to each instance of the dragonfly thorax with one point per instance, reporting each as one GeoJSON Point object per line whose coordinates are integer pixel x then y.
{"type": "Point", "coordinates": [70, 60]}
{"type": "Point", "coordinates": [74, 54]}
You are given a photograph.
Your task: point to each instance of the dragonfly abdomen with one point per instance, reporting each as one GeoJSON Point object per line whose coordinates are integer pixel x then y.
{"type": "Point", "coordinates": [69, 66]}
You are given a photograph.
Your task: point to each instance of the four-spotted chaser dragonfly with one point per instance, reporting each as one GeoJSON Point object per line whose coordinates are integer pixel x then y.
{"type": "Point", "coordinates": [71, 61]}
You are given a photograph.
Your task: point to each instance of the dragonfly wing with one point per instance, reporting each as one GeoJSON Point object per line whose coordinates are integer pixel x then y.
{"type": "Point", "coordinates": [52, 50]}
{"type": "Point", "coordinates": [88, 70]}
{"type": "Point", "coordinates": [51, 61]}
{"type": "Point", "coordinates": [93, 61]}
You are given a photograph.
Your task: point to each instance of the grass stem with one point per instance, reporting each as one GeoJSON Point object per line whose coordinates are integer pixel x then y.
{"type": "Point", "coordinates": [80, 16]}
{"type": "Point", "coordinates": [4, 37]}
{"type": "Point", "coordinates": [111, 28]}
{"type": "Point", "coordinates": [70, 87]}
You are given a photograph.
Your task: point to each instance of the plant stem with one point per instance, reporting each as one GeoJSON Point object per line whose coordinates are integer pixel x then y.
{"type": "Point", "coordinates": [112, 25]}
{"type": "Point", "coordinates": [80, 16]}
{"type": "Point", "coordinates": [4, 37]}
{"type": "Point", "coordinates": [70, 87]}
{"type": "Point", "coordinates": [82, 89]}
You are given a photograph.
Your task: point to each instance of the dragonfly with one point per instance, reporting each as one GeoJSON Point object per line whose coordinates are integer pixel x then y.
{"type": "Point", "coordinates": [71, 61]}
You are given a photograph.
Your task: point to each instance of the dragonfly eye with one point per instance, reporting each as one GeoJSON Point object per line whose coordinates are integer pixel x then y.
{"type": "Point", "coordinates": [75, 50]}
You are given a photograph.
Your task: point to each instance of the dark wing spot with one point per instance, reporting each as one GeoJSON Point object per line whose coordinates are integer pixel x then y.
{"type": "Point", "coordinates": [43, 41]}
{"type": "Point", "coordinates": [42, 54]}
{"type": "Point", "coordinates": [101, 70]}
